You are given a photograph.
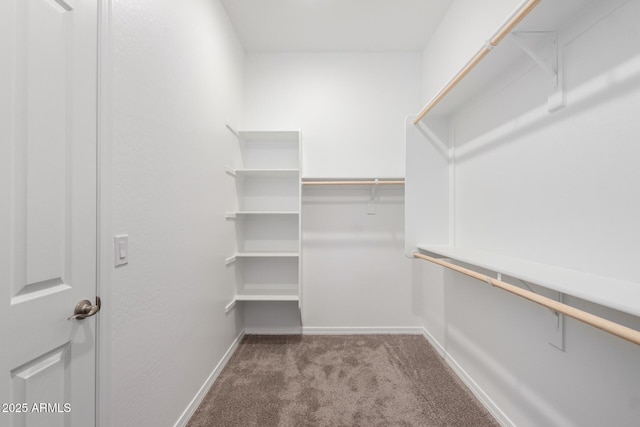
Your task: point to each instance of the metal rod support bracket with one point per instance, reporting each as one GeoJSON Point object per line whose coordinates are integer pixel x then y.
{"type": "Point", "coordinates": [373, 196]}
{"type": "Point", "coordinates": [551, 66]}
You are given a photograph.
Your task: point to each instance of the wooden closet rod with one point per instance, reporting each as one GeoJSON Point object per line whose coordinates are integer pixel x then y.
{"type": "Point", "coordinates": [616, 329]}
{"type": "Point", "coordinates": [367, 182]}
{"type": "Point", "coordinates": [502, 32]}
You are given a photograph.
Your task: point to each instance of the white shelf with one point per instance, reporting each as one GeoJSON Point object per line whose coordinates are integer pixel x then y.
{"type": "Point", "coordinates": [269, 135]}
{"type": "Point", "coordinates": [351, 178]}
{"type": "Point", "coordinates": [267, 173]}
{"type": "Point", "coordinates": [277, 231]}
{"type": "Point", "coordinates": [268, 193]}
{"type": "Point", "coordinates": [267, 255]}
{"type": "Point", "coordinates": [267, 295]}
{"type": "Point", "coordinates": [617, 294]}
{"type": "Point", "coordinates": [240, 213]}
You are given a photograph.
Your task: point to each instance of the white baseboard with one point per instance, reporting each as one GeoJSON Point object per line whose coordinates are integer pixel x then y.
{"type": "Point", "coordinates": [338, 330]}
{"type": "Point", "coordinates": [477, 391]}
{"type": "Point", "coordinates": [195, 402]}
{"type": "Point", "coordinates": [273, 331]}
{"type": "Point", "coordinates": [393, 330]}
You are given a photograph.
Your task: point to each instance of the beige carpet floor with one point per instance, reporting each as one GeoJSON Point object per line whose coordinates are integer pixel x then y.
{"type": "Point", "coordinates": [360, 380]}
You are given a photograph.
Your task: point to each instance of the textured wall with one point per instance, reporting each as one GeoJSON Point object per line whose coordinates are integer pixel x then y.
{"type": "Point", "coordinates": [176, 76]}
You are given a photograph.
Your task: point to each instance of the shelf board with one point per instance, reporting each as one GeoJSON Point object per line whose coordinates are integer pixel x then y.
{"type": "Point", "coordinates": [266, 213]}
{"type": "Point", "coordinates": [269, 135]}
{"type": "Point", "coordinates": [267, 295]}
{"type": "Point", "coordinates": [614, 293]}
{"type": "Point", "coordinates": [351, 178]}
{"type": "Point", "coordinates": [267, 255]}
{"type": "Point", "coordinates": [268, 173]}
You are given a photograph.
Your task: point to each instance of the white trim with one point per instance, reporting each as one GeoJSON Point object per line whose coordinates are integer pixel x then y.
{"type": "Point", "coordinates": [477, 391]}
{"type": "Point", "coordinates": [104, 258]}
{"type": "Point", "coordinates": [197, 399]}
{"type": "Point", "coordinates": [273, 331]}
{"type": "Point", "coordinates": [363, 330]}
{"type": "Point", "coordinates": [338, 330]}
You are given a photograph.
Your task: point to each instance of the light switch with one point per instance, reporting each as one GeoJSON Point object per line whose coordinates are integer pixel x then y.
{"type": "Point", "coordinates": [121, 246]}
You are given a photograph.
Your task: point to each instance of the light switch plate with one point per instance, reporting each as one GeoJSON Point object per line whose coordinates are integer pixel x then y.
{"type": "Point", "coordinates": [121, 249]}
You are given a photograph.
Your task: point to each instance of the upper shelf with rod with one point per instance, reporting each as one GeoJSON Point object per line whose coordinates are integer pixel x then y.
{"type": "Point", "coordinates": [509, 44]}
{"type": "Point", "coordinates": [353, 181]}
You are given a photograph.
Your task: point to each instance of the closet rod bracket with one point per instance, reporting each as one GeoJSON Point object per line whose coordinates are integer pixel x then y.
{"type": "Point", "coordinates": [555, 332]}
{"type": "Point", "coordinates": [373, 196]}
{"type": "Point", "coordinates": [552, 66]}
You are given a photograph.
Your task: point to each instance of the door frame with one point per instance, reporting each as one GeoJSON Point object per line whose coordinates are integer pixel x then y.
{"type": "Point", "coordinates": [104, 259]}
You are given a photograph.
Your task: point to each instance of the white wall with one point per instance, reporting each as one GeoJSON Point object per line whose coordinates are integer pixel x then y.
{"type": "Point", "coordinates": [355, 273]}
{"type": "Point", "coordinates": [176, 75]}
{"type": "Point", "coordinates": [463, 30]}
{"type": "Point", "coordinates": [555, 188]}
{"type": "Point", "coordinates": [349, 106]}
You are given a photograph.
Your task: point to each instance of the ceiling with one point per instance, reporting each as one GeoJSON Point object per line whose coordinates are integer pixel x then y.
{"type": "Point", "coordinates": [335, 25]}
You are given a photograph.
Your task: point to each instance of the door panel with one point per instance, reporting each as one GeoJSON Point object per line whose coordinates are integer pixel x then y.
{"type": "Point", "coordinates": [42, 116]}
{"type": "Point", "coordinates": [42, 381]}
{"type": "Point", "coordinates": [48, 211]}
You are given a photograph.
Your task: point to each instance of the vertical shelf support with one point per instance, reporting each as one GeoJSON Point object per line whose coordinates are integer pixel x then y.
{"type": "Point", "coordinates": [551, 66]}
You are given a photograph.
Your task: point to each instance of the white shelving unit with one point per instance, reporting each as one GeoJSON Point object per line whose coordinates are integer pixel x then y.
{"type": "Point", "coordinates": [267, 220]}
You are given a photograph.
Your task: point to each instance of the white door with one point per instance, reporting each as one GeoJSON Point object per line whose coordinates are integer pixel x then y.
{"type": "Point", "coordinates": [47, 211]}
